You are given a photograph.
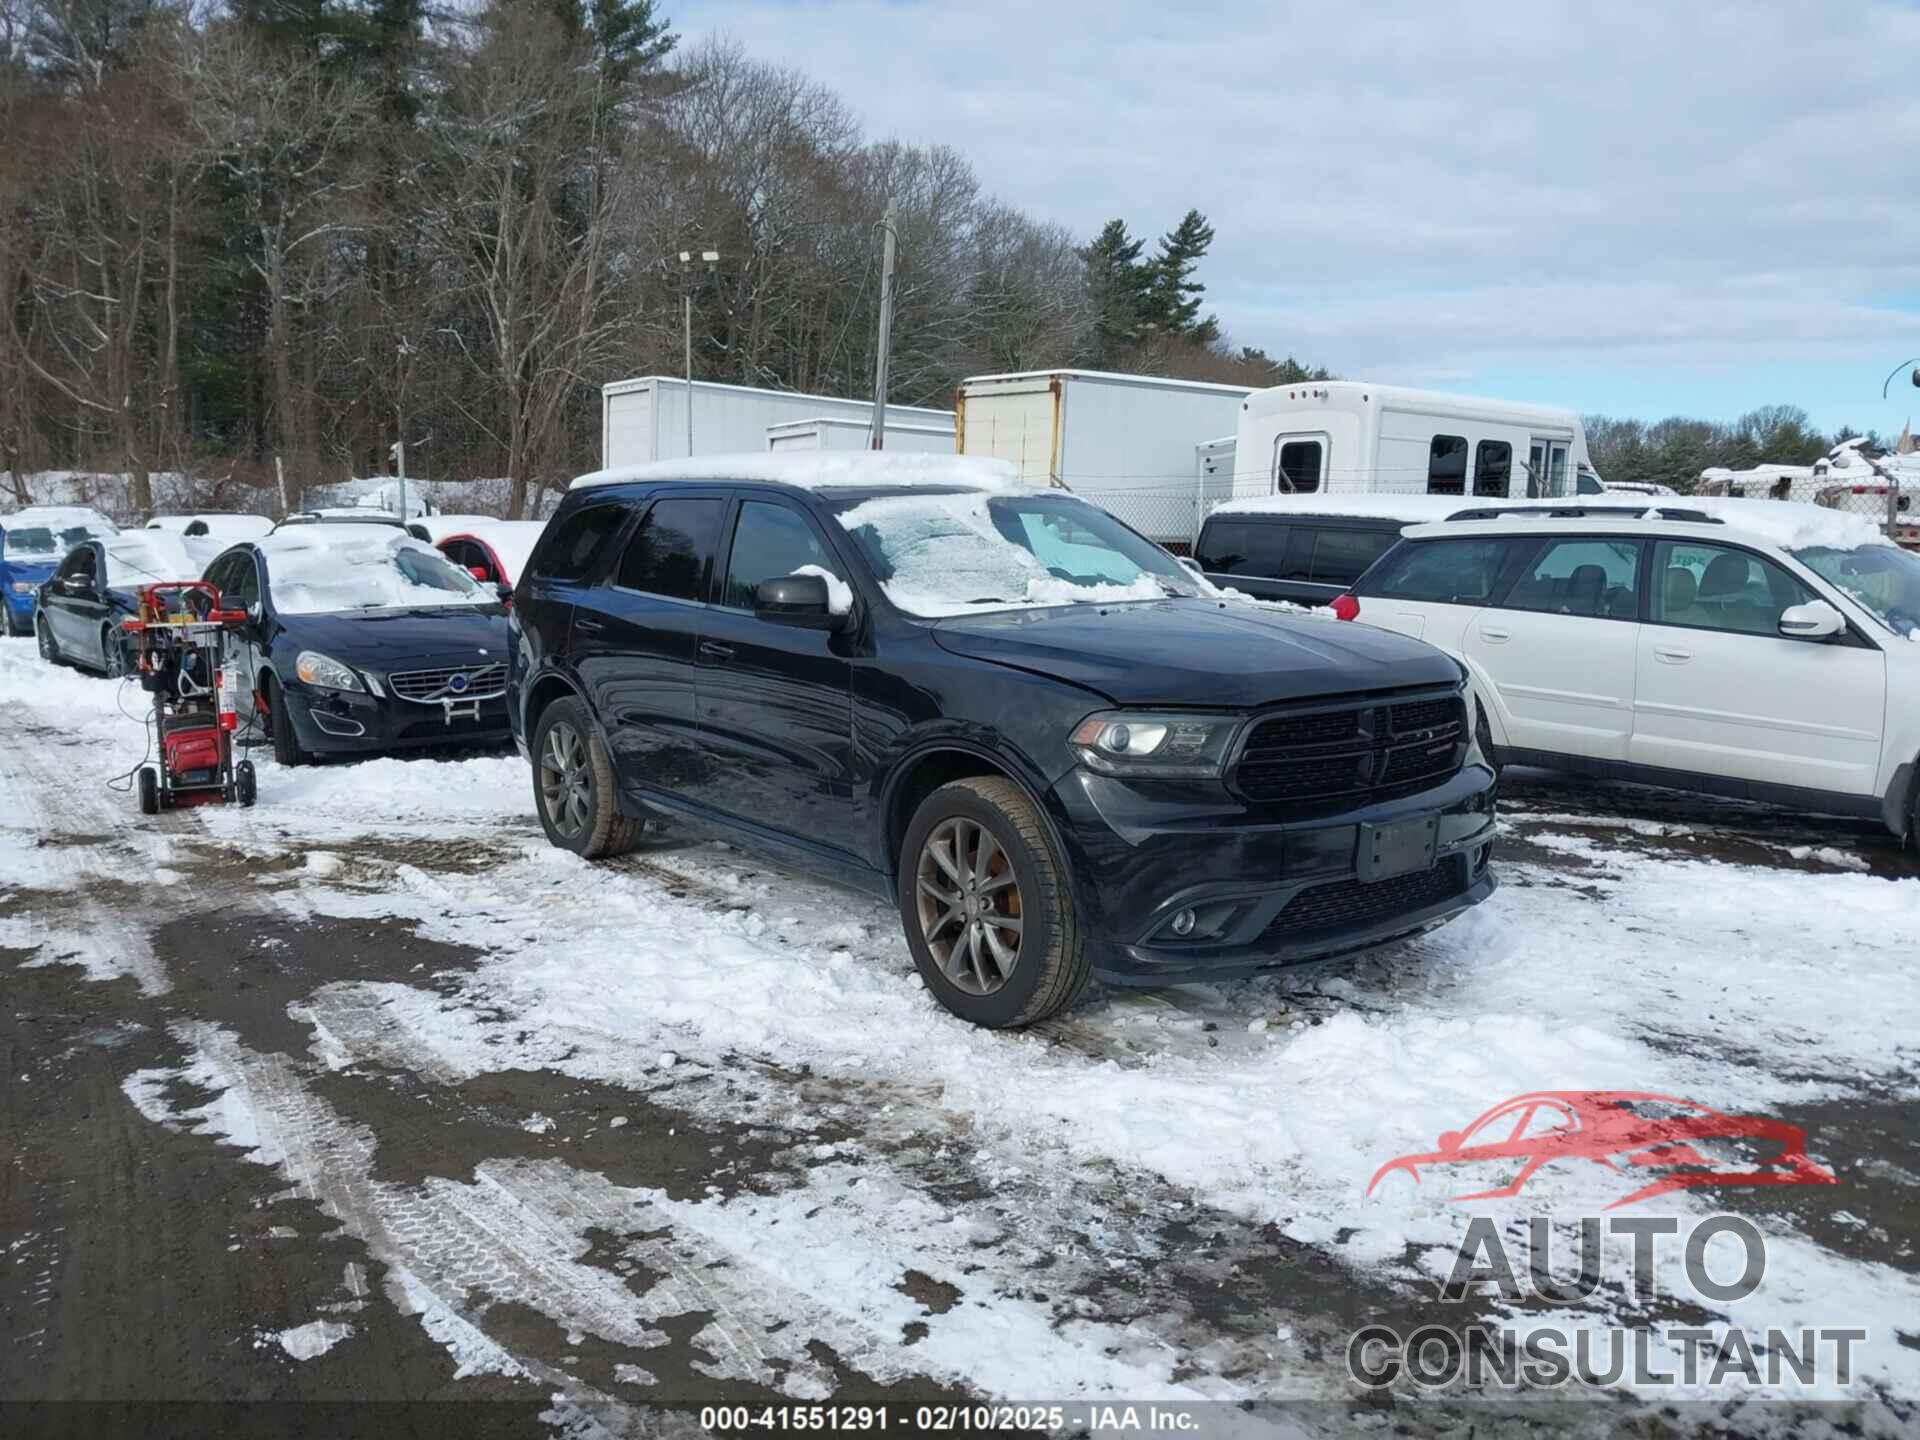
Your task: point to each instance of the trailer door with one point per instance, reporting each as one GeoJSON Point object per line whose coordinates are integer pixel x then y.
{"type": "Point", "coordinates": [1547, 468]}
{"type": "Point", "coordinates": [629, 436]}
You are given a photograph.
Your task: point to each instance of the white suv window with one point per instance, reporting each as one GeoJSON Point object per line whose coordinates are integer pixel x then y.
{"type": "Point", "coordinates": [1445, 572]}
{"type": "Point", "coordinates": [1714, 587]}
{"type": "Point", "coordinates": [1600, 578]}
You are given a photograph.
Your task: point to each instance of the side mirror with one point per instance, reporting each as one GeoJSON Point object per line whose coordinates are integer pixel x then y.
{"type": "Point", "coordinates": [255, 613]}
{"type": "Point", "coordinates": [505, 592]}
{"type": "Point", "coordinates": [1191, 564]}
{"type": "Point", "coordinates": [229, 601]}
{"type": "Point", "coordinates": [802, 600]}
{"type": "Point", "coordinates": [1815, 620]}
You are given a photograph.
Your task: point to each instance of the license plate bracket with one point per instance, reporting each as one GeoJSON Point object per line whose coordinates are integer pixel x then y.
{"type": "Point", "coordinates": [1399, 848]}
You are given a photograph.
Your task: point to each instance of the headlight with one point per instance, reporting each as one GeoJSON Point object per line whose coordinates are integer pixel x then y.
{"type": "Point", "coordinates": [24, 587]}
{"type": "Point", "coordinates": [1123, 742]}
{"type": "Point", "coordinates": [325, 671]}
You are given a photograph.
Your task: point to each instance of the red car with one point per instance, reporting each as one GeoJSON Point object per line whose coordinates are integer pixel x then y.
{"type": "Point", "coordinates": [1620, 1129]}
{"type": "Point", "coordinates": [492, 551]}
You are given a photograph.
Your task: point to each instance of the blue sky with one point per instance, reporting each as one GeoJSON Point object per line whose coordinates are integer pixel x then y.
{"type": "Point", "coordinates": [1633, 208]}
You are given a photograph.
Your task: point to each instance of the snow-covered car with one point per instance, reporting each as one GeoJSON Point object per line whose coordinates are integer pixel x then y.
{"type": "Point", "coordinates": [494, 552]}
{"type": "Point", "coordinates": [1054, 749]}
{"type": "Point", "coordinates": [1636, 487]}
{"type": "Point", "coordinates": [97, 586]}
{"type": "Point", "coordinates": [32, 542]}
{"type": "Point", "coordinates": [356, 516]}
{"type": "Point", "coordinates": [361, 639]}
{"type": "Point", "coordinates": [227, 525]}
{"type": "Point", "coordinates": [1754, 648]}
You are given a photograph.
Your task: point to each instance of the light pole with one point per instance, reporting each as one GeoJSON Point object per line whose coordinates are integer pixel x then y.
{"type": "Point", "coordinates": [691, 277]}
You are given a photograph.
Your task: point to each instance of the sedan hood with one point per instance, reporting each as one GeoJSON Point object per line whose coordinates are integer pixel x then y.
{"type": "Point", "coordinates": [1197, 652]}
{"type": "Point", "coordinates": [384, 640]}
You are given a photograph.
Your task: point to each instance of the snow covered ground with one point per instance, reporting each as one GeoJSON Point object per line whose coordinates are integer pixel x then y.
{"type": "Point", "coordinates": [1158, 1195]}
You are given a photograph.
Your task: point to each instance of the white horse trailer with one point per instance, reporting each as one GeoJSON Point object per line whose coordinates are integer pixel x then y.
{"type": "Point", "coordinates": [1349, 435]}
{"type": "Point", "coordinates": [646, 419]}
{"type": "Point", "coordinates": [1125, 442]}
{"type": "Point", "coordinates": [827, 432]}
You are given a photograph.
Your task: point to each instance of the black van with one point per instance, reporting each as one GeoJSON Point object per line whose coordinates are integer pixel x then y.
{"type": "Point", "coordinates": [1001, 708]}
{"type": "Point", "coordinates": [1307, 555]}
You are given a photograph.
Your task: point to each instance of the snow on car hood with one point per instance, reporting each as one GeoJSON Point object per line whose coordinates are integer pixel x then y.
{"type": "Point", "coordinates": [1196, 652]}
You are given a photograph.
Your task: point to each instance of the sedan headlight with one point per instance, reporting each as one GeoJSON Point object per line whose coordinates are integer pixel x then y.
{"type": "Point", "coordinates": [1126, 742]}
{"type": "Point", "coordinates": [323, 670]}
{"type": "Point", "coordinates": [24, 587]}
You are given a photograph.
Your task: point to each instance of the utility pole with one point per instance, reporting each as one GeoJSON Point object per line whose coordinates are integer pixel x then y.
{"type": "Point", "coordinates": [882, 354]}
{"type": "Point", "coordinates": [690, 277]}
{"type": "Point", "coordinates": [400, 452]}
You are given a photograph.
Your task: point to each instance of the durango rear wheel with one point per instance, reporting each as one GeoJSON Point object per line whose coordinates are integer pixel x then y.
{"type": "Point", "coordinates": [985, 905]}
{"type": "Point", "coordinates": [573, 785]}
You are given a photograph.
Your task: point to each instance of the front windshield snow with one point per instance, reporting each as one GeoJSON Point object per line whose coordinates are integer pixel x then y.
{"type": "Point", "coordinates": [958, 553]}
{"type": "Point", "coordinates": [1883, 578]}
{"type": "Point", "coordinates": [383, 571]}
{"type": "Point", "coordinates": [45, 544]}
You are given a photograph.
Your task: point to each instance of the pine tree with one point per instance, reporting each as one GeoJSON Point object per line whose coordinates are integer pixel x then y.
{"type": "Point", "coordinates": [1173, 295]}
{"type": "Point", "coordinates": [1117, 290]}
{"type": "Point", "coordinates": [629, 37]}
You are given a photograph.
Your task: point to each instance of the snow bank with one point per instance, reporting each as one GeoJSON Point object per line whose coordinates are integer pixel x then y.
{"type": "Point", "coordinates": [817, 470]}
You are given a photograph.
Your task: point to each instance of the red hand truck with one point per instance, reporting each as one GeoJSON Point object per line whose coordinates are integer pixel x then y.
{"type": "Point", "coordinates": [182, 634]}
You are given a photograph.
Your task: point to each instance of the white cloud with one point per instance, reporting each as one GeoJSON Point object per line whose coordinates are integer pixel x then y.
{"type": "Point", "coordinates": [1407, 189]}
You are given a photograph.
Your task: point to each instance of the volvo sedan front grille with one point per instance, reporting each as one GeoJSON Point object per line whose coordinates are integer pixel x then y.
{"type": "Point", "coordinates": [450, 682]}
{"type": "Point", "coordinates": [1355, 751]}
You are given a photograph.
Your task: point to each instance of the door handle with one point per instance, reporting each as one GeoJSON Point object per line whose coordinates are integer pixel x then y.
{"type": "Point", "coordinates": [711, 651]}
{"type": "Point", "coordinates": [1672, 655]}
{"type": "Point", "coordinates": [1493, 636]}
{"type": "Point", "coordinates": [592, 627]}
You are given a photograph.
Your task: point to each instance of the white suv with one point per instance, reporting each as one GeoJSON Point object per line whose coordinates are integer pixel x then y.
{"type": "Point", "coordinates": [1744, 647]}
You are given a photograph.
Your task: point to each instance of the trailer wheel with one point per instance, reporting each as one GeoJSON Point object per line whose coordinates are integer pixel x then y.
{"type": "Point", "coordinates": [149, 791]}
{"type": "Point", "coordinates": [245, 786]}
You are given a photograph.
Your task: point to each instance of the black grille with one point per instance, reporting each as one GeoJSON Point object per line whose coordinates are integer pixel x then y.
{"type": "Point", "coordinates": [1351, 905]}
{"type": "Point", "coordinates": [482, 682]}
{"type": "Point", "coordinates": [1358, 751]}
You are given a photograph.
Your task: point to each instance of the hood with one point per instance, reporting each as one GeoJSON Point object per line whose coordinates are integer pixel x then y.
{"type": "Point", "coordinates": [35, 570]}
{"type": "Point", "coordinates": [1197, 652]}
{"type": "Point", "coordinates": [383, 640]}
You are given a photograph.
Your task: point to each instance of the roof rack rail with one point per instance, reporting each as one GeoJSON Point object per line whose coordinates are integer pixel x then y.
{"type": "Point", "coordinates": [1584, 512]}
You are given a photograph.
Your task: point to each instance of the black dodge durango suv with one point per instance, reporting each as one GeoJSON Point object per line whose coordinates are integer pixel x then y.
{"type": "Point", "coordinates": [1058, 752]}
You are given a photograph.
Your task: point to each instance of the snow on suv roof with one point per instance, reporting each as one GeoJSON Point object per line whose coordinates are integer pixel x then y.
{"type": "Point", "coordinates": [1785, 524]}
{"type": "Point", "coordinates": [819, 471]}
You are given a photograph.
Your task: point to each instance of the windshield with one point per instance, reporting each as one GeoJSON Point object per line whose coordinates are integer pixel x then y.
{"type": "Point", "coordinates": [45, 544]}
{"type": "Point", "coordinates": [955, 553]}
{"type": "Point", "coordinates": [1883, 578]}
{"type": "Point", "coordinates": [384, 570]}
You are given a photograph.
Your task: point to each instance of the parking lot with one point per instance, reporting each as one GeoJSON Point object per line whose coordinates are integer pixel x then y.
{"type": "Point", "coordinates": [369, 1093]}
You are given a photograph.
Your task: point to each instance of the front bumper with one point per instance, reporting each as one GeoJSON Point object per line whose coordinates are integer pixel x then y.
{"type": "Point", "coordinates": [336, 722]}
{"type": "Point", "coordinates": [1274, 891]}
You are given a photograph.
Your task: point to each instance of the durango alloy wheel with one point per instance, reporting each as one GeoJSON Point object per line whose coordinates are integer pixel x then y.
{"type": "Point", "coordinates": [986, 908]}
{"type": "Point", "coordinates": [573, 785]}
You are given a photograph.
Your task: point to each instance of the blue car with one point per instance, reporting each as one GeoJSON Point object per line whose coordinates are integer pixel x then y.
{"type": "Point", "coordinates": [361, 639]}
{"type": "Point", "coordinates": [32, 543]}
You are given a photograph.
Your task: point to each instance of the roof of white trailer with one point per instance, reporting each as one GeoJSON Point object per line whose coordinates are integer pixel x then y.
{"type": "Point", "coordinates": [1111, 377]}
{"type": "Point", "coordinates": [820, 470]}
{"type": "Point", "coordinates": [642, 382]}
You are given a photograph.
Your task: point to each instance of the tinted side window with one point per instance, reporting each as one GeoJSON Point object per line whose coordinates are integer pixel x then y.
{"type": "Point", "coordinates": [1341, 557]}
{"type": "Point", "coordinates": [1237, 547]}
{"type": "Point", "coordinates": [1455, 572]}
{"type": "Point", "coordinates": [1600, 578]}
{"type": "Point", "coordinates": [1299, 466]}
{"type": "Point", "coordinates": [769, 541]}
{"type": "Point", "coordinates": [671, 553]}
{"type": "Point", "coordinates": [1447, 465]}
{"type": "Point", "coordinates": [245, 580]}
{"type": "Point", "coordinates": [78, 565]}
{"type": "Point", "coordinates": [575, 547]}
{"type": "Point", "coordinates": [1492, 468]}
{"type": "Point", "coordinates": [1711, 587]}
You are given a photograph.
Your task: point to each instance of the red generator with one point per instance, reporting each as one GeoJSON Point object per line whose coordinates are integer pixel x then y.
{"type": "Point", "coordinates": [182, 632]}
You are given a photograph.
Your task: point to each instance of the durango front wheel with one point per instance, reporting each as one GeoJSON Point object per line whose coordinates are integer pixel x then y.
{"type": "Point", "coordinates": [986, 908]}
{"type": "Point", "coordinates": [573, 786]}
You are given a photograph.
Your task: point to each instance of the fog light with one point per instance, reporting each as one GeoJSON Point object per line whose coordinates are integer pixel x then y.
{"type": "Point", "coordinates": [1183, 923]}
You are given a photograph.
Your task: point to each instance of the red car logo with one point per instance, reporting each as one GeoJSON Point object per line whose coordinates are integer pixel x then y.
{"type": "Point", "coordinates": [1621, 1128]}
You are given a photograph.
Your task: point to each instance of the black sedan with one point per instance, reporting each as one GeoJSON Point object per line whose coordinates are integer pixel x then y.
{"type": "Point", "coordinates": [361, 639]}
{"type": "Point", "coordinates": [97, 586]}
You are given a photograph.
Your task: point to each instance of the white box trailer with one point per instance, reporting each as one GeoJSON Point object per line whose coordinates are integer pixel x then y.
{"type": "Point", "coordinates": [646, 419]}
{"type": "Point", "coordinates": [826, 432]}
{"type": "Point", "coordinates": [1353, 436]}
{"type": "Point", "coordinates": [1125, 442]}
